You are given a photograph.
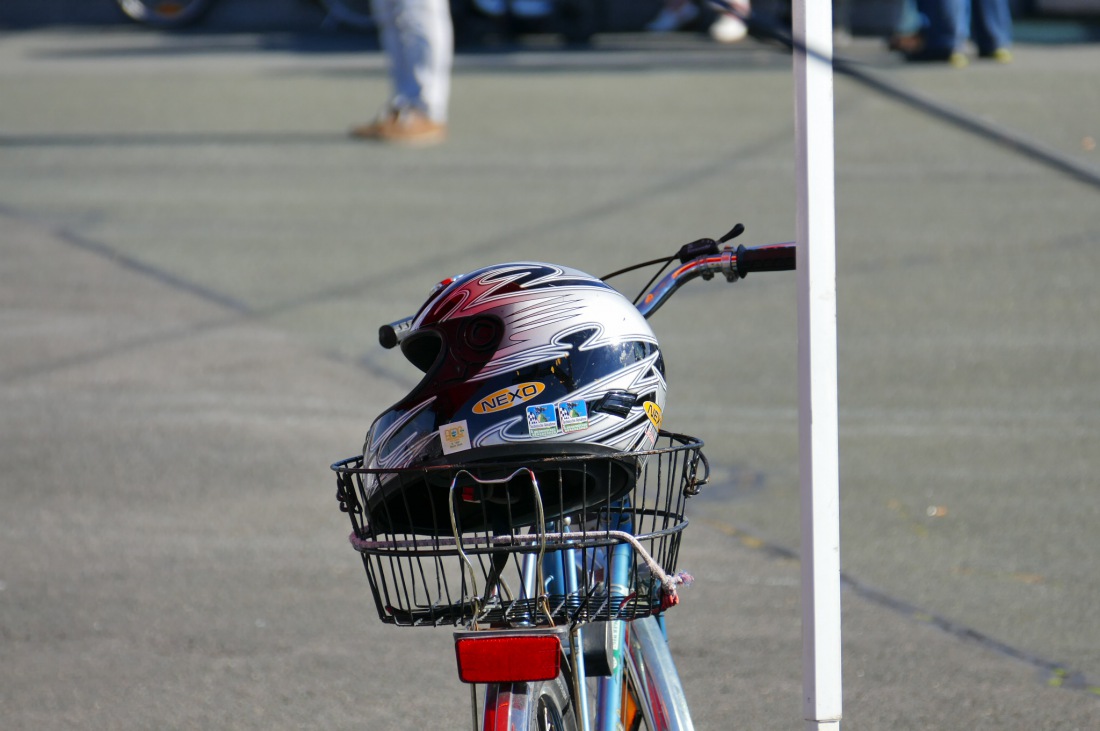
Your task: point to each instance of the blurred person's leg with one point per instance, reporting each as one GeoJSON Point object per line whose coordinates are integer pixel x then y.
{"type": "Point", "coordinates": [943, 33]}
{"type": "Point", "coordinates": [418, 38]}
{"type": "Point", "coordinates": [991, 26]}
{"type": "Point", "coordinates": [908, 35]}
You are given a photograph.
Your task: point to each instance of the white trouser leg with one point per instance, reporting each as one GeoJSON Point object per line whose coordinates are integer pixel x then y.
{"type": "Point", "coordinates": [418, 38]}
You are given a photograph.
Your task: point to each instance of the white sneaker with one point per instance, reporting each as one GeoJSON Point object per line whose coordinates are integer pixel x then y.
{"type": "Point", "coordinates": [728, 29]}
{"type": "Point", "coordinates": [669, 20]}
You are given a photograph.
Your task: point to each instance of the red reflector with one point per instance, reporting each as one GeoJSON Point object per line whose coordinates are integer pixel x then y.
{"type": "Point", "coordinates": [508, 658]}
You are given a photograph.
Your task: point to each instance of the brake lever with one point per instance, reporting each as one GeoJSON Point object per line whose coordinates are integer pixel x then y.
{"type": "Point", "coordinates": [707, 247]}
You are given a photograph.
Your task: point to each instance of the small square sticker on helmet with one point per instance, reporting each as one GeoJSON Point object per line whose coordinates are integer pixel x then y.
{"type": "Point", "coordinates": [542, 420]}
{"type": "Point", "coordinates": [455, 437]}
{"type": "Point", "coordinates": [573, 415]}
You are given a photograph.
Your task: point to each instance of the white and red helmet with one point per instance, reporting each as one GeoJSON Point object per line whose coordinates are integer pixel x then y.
{"type": "Point", "coordinates": [521, 360]}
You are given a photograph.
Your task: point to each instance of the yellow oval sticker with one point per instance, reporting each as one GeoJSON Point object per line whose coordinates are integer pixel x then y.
{"type": "Point", "coordinates": [653, 411]}
{"type": "Point", "coordinates": [506, 398]}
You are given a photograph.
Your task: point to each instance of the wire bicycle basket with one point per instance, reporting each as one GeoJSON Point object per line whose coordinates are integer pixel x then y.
{"type": "Point", "coordinates": [487, 558]}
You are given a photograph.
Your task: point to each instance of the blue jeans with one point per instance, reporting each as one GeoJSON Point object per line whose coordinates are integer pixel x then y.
{"type": "Point", "coordinates": [418, 38]}
{"type": "Point", "coordinates": [949, 23]}
{"type": "Point", "coordinates": [989, 23]}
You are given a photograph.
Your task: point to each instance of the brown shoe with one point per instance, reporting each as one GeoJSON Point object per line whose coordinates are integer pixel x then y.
{"type": "Point", "coordinates": [906, 42]}
{"type": "Point", "coordinates": [404, 127]}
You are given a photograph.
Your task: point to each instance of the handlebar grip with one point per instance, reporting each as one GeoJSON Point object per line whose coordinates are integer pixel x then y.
{"type": "Point", "coordinates": [774, 258]}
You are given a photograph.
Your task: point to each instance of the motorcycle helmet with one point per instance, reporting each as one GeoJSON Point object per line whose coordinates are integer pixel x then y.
{"type": "Point", "coordinates": [523, 362]}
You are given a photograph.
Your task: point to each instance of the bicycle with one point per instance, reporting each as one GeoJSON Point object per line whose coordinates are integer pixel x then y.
{"type": "Point", "coordinates": [168, 14]}
{"type": "Point", "coordinates": [556, 566]}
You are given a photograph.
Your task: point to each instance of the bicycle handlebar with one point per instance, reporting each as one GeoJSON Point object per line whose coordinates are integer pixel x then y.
{"type": "Point", "coordinates": [701, 258]}
{"type": "Point", "coordinates": [732, 263]}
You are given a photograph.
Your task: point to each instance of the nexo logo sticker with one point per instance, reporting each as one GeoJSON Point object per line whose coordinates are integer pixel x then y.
{"type": "Point", "coordinates": [508, 397]}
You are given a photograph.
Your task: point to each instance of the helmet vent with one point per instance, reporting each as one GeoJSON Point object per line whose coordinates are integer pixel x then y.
{"type": "Point", "coordinates": [483, 333]}
{"type": "Point", "coordinates": [618, 403]}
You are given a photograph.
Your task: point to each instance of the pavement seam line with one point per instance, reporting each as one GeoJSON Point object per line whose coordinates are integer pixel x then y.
{"type": "Point", "coordinates": [1056, 674]}
{"type": "Point", "coordinates": [240, 310]}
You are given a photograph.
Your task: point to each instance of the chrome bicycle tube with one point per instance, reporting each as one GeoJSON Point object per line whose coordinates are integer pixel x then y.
{"type": "Point", "coordinates": [653, 673]}
{"type": "Point", "coordinates": [573, 586]}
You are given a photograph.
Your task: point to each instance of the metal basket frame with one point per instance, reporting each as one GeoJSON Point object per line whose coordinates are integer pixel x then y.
{"type": "Point", "coordinates": [449, 576]}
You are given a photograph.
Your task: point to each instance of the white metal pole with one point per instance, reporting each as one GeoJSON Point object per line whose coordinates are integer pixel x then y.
{"type": "Point", "coordinates": [817, 364]}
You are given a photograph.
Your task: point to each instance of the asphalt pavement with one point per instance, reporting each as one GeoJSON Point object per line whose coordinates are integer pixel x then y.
{"type": "Point", "coordinates": [195, 258]}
